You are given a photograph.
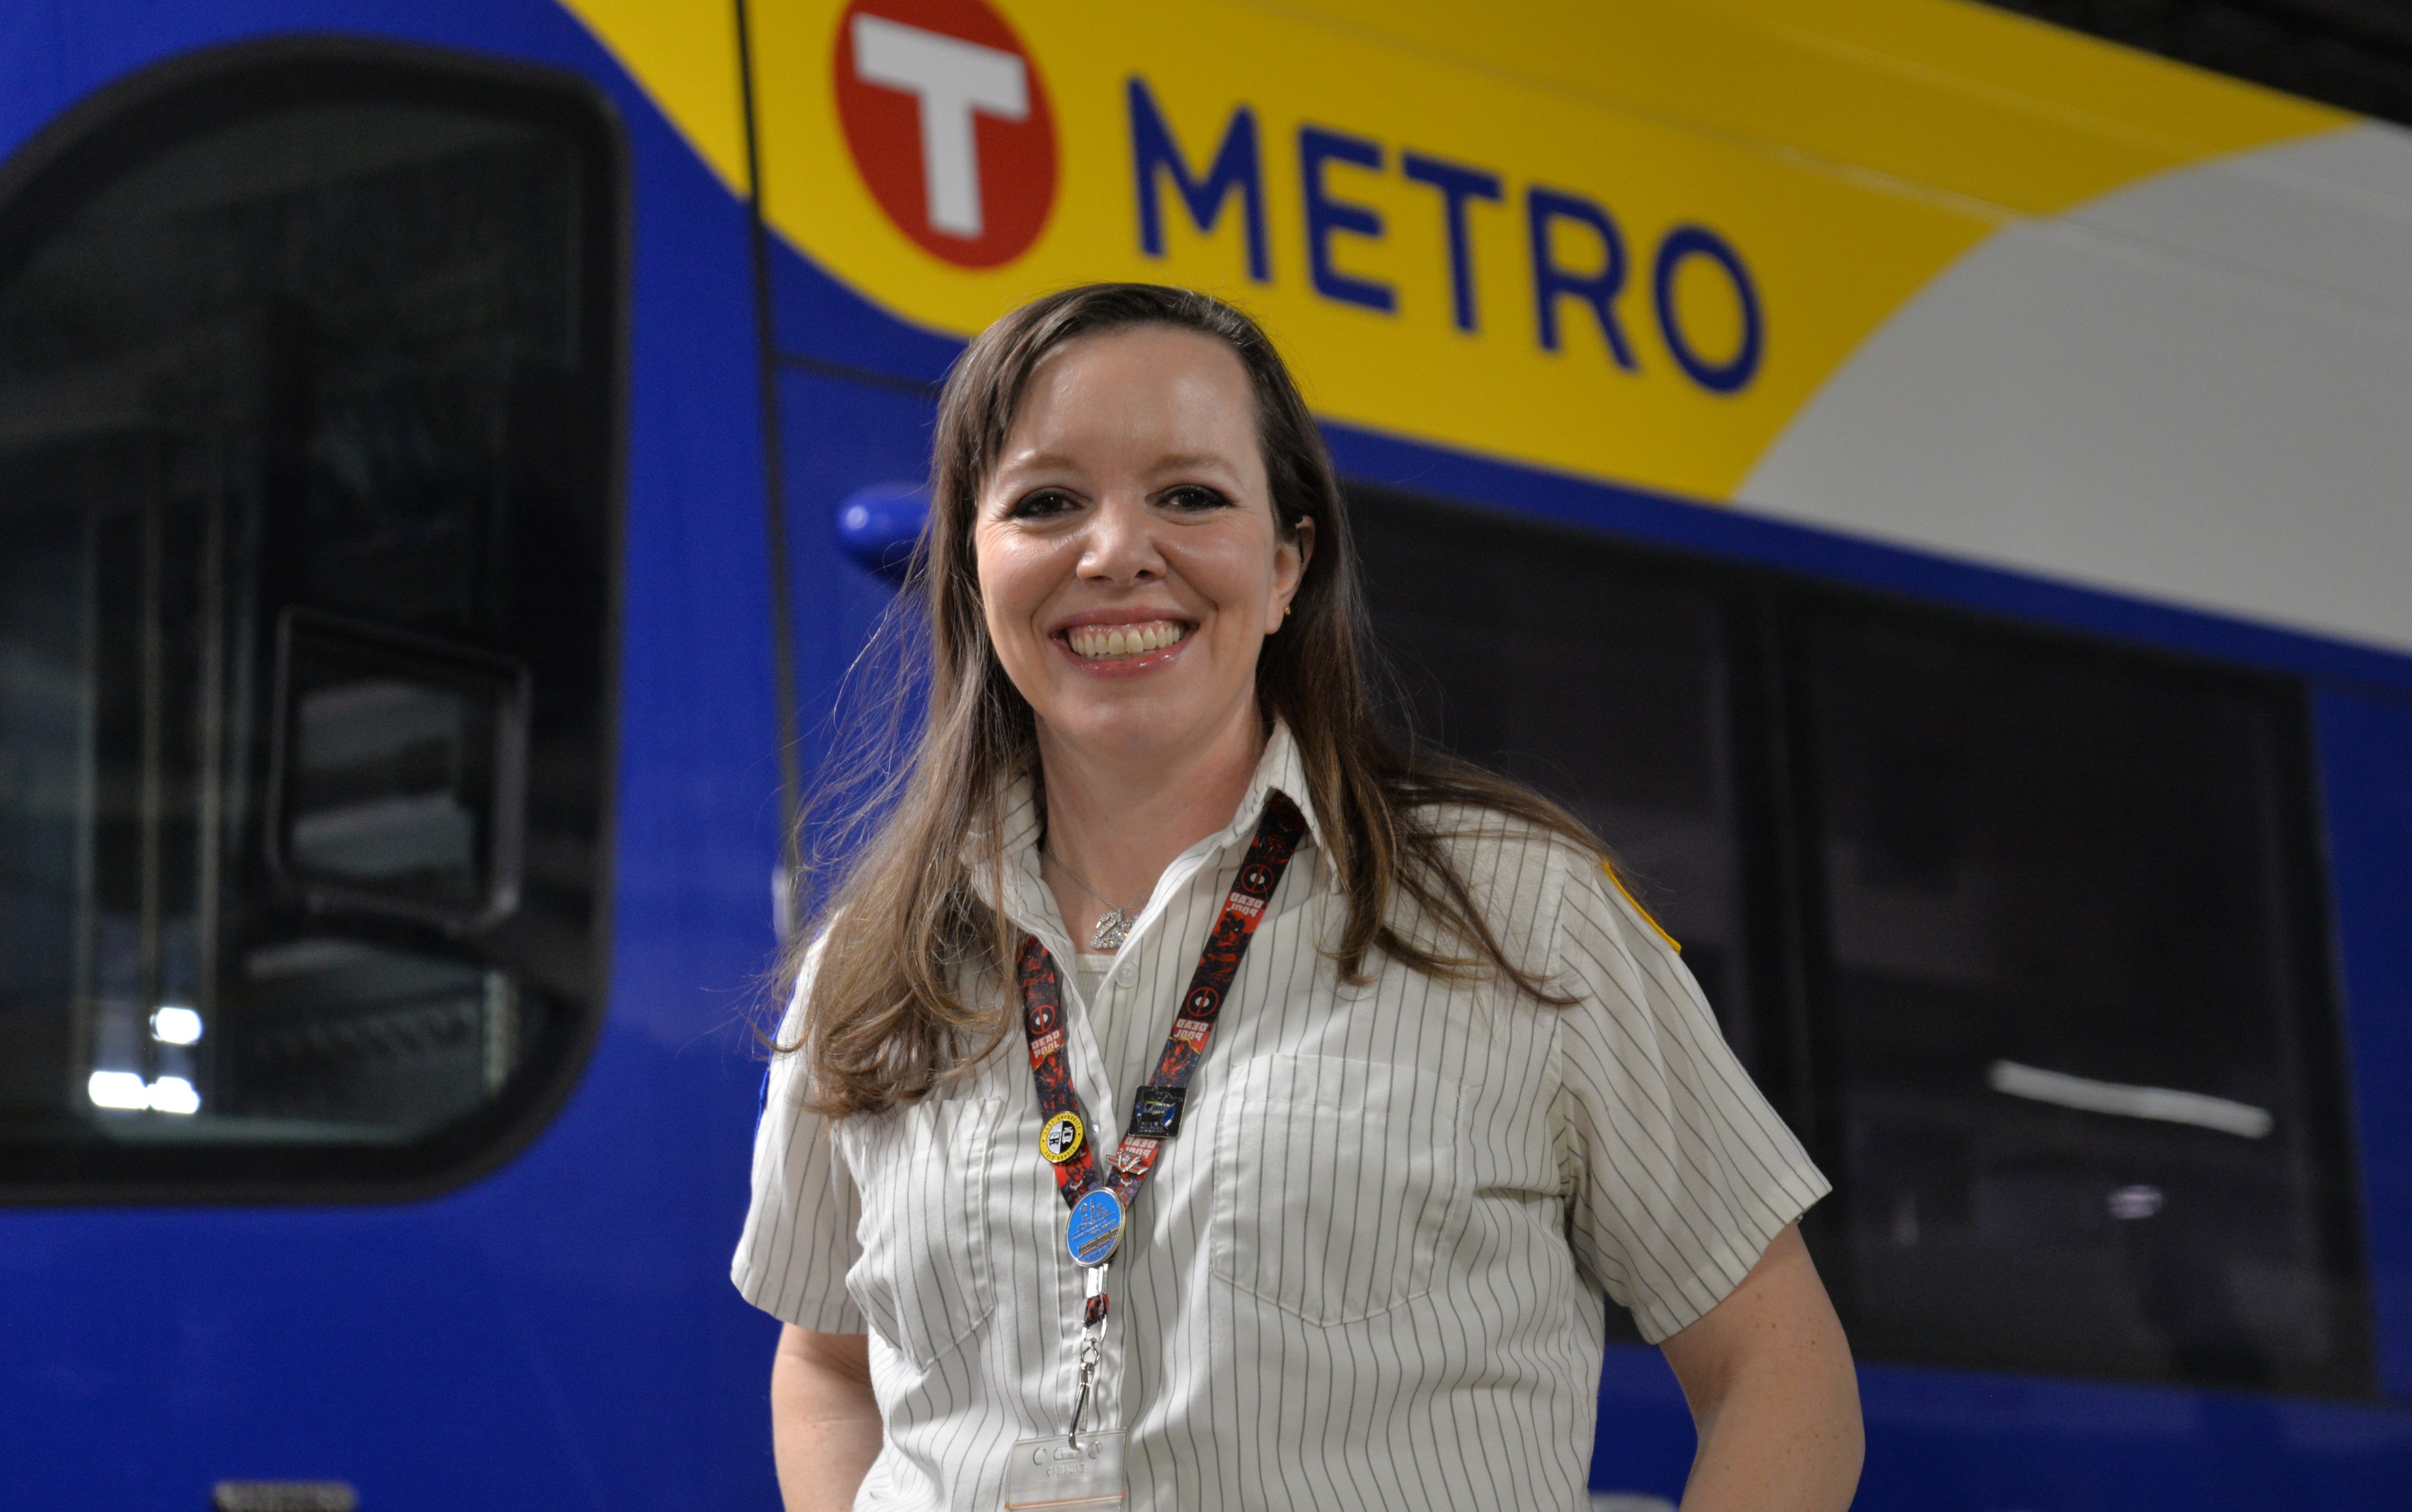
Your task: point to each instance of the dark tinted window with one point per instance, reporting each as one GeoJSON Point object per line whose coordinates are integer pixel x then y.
{"type": "Point", "coordinates": [2084, 1083]}
{"type": "Point", "coordinates": [1598, 675]}
{"type": "Point", "coordinates": [2024, 934]}
{"type": "Point", "coordinates": [308, 374]}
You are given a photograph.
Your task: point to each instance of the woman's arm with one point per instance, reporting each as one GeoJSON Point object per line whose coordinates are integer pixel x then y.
{"type": "Point", "coordinates": [824, 1420]}
{"type": "Point", "coordinates": [1767, 1374]}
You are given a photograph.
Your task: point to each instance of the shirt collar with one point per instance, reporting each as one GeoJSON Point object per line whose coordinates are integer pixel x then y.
{"type": "Point", "coordinates": [1281, 770]}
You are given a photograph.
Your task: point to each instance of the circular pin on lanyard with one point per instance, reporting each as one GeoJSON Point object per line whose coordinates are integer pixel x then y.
{"type": "Point", "coordinates": [1096, 1227]}
{"type": "Point", "coordinates": [1060, 1141]}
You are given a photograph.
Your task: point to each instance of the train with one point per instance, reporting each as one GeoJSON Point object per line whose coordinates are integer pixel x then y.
{"type": "Point", "coordinates": [1924, 480]}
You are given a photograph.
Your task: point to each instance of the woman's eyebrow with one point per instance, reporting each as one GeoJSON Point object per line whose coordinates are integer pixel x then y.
{"type": "Point", "coordinates": [1060, 463]}
{"type": "Point", "coordinates": [1180, 460]}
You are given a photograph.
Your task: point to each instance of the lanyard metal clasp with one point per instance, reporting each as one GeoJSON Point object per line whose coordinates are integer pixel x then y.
{"type": "Point", "coordinates": [1093, 1347]}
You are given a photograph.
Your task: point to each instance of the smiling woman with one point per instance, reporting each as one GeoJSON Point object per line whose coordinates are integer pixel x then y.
{"type": "Point", "coordinates": [1131, 565]}
{"type": "Point", "coordinates": [1464, 1087]}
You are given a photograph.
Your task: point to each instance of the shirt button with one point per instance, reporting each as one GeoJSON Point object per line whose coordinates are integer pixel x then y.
{"type": "Point", "coordinates": [1127, 973]}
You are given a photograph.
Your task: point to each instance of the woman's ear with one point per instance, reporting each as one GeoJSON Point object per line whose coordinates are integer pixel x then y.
{"type": "Point", "coordinates": [1290, 558]}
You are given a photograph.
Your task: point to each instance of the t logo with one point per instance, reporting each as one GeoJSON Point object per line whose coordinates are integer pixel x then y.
{"type": "Point", "coordinates": [949, 126]}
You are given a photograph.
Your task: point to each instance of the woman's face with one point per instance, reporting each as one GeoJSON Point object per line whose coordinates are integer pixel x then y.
{"type": "Point", "coordinates": [1129, 564]}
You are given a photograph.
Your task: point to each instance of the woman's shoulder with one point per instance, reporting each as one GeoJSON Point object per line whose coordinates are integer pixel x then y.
{"type": "Point", "coordinates": [1518, 872]}
{"type": "Point", "coordinates": [1504, 848]}
{"type": "Point", "coordinates": [1535, 883]}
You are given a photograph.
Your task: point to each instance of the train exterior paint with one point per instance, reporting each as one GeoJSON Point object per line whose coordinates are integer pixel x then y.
{"type": "Point", "coordinates": [1906, 300]}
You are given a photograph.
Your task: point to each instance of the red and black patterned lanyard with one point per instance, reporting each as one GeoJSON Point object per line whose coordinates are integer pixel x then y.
{"type": "Point", "coordinates": [1098, 1210]}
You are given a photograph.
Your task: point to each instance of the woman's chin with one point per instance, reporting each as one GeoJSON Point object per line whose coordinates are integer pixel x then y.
{"type": "Point", "coordinates": [1133, 723]}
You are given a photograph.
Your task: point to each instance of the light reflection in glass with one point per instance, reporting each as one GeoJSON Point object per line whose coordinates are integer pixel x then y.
{"type": "Point", "coordinates": [175, 1024]}
{"type": "Point", "coordinates": [121, 1089]}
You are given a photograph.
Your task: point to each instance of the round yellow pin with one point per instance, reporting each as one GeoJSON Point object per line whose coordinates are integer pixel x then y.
{"type": "Point", "coordinates": [1060, 1141]}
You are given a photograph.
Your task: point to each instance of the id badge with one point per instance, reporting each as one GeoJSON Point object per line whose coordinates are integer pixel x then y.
{"type": "Point", "coordinates": [1050, 1472]}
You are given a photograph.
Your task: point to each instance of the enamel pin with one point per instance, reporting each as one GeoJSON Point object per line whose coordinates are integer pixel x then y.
{"type": "Point", "coordinates": [1060, 1141]}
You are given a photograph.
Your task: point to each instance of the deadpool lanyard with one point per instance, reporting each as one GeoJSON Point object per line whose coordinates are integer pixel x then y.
{"type": "Point", "coordinates": [1099, 1207]}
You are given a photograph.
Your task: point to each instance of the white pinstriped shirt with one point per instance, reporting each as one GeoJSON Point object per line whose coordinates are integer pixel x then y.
{"type": "Point", "coordinates": [1368, 1274]}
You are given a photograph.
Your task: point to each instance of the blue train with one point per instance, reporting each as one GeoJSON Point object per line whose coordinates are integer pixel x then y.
{"type": "Point", "coordinates": [1923, 482]}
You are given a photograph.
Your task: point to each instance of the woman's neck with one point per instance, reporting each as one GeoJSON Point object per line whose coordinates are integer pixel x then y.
{"type": "Point", "coordinates": [1114, 823]}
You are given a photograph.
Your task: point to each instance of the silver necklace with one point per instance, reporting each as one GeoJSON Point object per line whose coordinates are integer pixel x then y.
{"type": "Point", "coordinates": [1114, 925]}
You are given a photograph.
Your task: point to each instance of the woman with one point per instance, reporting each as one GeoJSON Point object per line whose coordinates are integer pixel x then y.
{"type": "Point", "coordinates": [1389, 1081]}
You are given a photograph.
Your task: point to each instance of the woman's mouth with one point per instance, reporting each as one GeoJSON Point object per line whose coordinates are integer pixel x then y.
{"type": "Point", "coordinates": [1123, 643]}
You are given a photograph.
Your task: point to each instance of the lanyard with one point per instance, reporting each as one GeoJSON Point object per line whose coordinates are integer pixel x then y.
{"type": "Point", "coordinates": [1098, 1207]}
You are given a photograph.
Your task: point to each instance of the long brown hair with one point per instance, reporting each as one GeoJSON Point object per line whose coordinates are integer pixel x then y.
{"type": "Point", "coordinates": [903, 994]}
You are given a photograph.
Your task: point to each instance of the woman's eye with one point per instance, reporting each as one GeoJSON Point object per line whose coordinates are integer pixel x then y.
{"type": "Point", "coordinates": [1195, 498]}
{"type": "Point", "coordinates": [1041, 505]}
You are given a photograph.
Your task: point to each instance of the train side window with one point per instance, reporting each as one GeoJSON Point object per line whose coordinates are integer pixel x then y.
{"type": "Point", "coordinates": [2084, 1086]}
{"type": "Point", "coordinates": [1597, 673]}
{"type": "Point", "coordinates": [309, 412]}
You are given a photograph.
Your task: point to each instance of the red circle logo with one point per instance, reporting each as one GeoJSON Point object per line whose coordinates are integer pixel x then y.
{"type": "Point", "coordinates": [947, 121]}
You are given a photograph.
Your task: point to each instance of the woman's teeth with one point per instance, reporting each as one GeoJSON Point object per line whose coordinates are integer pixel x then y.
{"type": "Point", "coordinates": [1097, 641]}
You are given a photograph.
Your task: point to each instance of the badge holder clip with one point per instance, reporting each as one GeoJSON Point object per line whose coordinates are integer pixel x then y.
{"type": "Point", "coordinates": [1078, 1472]}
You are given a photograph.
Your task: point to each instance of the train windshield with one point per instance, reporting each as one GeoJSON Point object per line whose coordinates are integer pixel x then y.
{"type": "Point", "coordinates": [306, 389]}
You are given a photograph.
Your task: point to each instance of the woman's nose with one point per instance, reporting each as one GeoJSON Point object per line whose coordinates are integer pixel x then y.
{"type": "Point", "coordinates": [1121, 545]}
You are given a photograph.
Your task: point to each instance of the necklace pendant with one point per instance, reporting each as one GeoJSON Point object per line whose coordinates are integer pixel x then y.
{"type": "Point", "coordinates": [1113, 928]}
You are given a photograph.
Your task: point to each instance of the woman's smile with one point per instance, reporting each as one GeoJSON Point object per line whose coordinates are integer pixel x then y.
{"type": "Point", "coordinates": [1127, 642]}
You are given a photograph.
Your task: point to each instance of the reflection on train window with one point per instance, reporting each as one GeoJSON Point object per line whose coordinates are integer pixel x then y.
{"type": "Point", "coordinates": [307, 395]}
{"type": "Point", "coordinates": [2086, 1084]}
{"type": "Point", "coordinates": [398, 780]}
{"type": "Point", "coordinates": [1596, 675]}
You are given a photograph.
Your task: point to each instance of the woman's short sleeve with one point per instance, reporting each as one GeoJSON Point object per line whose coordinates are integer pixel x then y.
{"type": "Point", "coordinates": [800, 1237]}
{"type": "Point", "coordinates": [1677, 1171]}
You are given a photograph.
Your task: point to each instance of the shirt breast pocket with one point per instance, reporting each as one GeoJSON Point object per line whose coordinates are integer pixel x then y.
{"type": "Point", "coordinates": [924, 1280]}
{"type": "Point", "coordinates": [1338, 1184]}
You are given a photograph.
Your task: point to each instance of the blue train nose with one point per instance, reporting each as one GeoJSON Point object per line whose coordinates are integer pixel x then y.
{"type": "Point", "coordinates": [879, 524]}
